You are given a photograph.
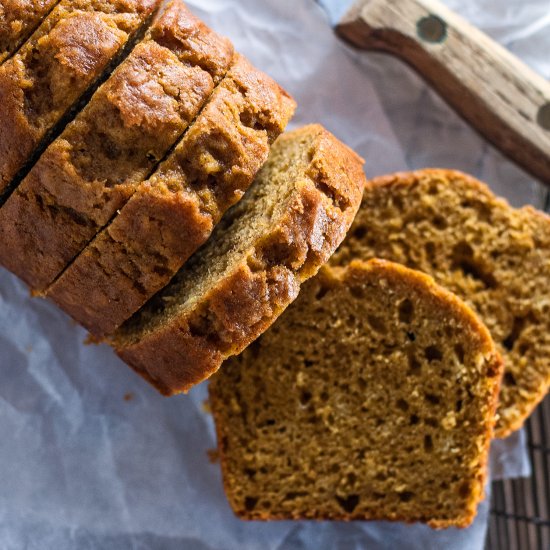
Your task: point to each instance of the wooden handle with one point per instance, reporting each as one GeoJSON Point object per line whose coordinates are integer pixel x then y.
{"type": "Point", "coordinates": [494, 91]}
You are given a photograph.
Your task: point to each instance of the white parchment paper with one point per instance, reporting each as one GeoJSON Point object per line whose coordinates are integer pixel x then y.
{"type": "Point", "coordinates": [91, 457]}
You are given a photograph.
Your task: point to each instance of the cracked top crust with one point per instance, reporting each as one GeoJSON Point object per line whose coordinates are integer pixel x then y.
{"type": "Point", "coordinates": [99, 160]}
{"type": "Point", "coordinates": [172, 214]}
{"type": "Point", "coordinates": [61, 61]}
{"type": "Point", "coordinates": [18, 20]}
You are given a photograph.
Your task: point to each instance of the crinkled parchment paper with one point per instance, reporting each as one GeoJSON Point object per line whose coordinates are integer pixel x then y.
{"type": "Point", "coordinates": [91, 457]}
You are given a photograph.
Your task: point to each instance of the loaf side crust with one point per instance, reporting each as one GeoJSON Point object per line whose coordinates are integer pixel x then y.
{"type": "Point", "coordinates": [189, 348]}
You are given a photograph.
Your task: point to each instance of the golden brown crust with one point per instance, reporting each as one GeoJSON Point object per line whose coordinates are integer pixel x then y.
{"type": "Point", "coordinates": [63, 59]}
{"type": "Point", "coordinates": [230, 415]}
{"type": "Point", "coordinates": [508, 308]}
{"type": "Point", "coordinates": [18, 19]}
{"type": "Point", "coordinates": [189, 347]}
{"type": "Point", "coordinates": [193, 41]}
{"type": "Point", "coordinates": [409, 178]}
{"type": "Point", "coordinates": [182, 354]}
{"type": "Point", "coordinates": [175, 211]}
{"type": "Point", "coordinates": [99, 160]}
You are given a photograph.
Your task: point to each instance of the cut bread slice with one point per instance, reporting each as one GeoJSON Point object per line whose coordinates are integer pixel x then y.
{"type": "Point", "coordinates": [174, 212]}
{"type": "Point", "coordinates": [114, 143]}
{"type": "Point", "coordinates": [55, 71]}
{"type": "Point", "coordinates": [495, 257]}
{"type": "Point", "coordinates": [373, 397]}
{"type": "Point", "coordinates": [18, 20]}
{"type": "Point", "coordinates": [286, 226]}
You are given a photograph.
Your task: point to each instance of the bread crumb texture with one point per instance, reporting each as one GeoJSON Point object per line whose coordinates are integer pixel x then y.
{"type": "Point", "coordinates": [495, 257]}
{"type": "Point", "coordinates": [372, 397]}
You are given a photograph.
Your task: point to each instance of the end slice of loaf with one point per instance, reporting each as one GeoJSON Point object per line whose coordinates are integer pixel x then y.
{"type": "Point", "coordinates": [372, 397]}
{"type": "Point", "coordinates": [57, 67]}
{"type": "Point", "coordinates": [18, 20]}
{"type": "Point", "coordinates": [112, 146]}
{"type": "Point", "coordinates": [495, 257]}
{"type": "Point", "coordinates": [173, 213]}
{"type": "Point", "coordinates": [287, 225]}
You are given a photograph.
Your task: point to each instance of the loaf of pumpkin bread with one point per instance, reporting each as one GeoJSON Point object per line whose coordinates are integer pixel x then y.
{"type": "Point", "coordinates": [286, 226]}
{"type": "Point", "coordinates": [372, 397]}
{"type": "Point", "coordinates": [56, 70]}
{"type": "Point", "coordinates": [114, 143]}
{"type": "Point", "coordinates": [18, 20]}
{"type": "Point", "coordinates": [174, 212]}
{"type": "Point", "coordinates": [495, 257]}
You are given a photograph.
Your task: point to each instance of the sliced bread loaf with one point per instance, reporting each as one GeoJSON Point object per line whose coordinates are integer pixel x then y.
{"type": "Point", "coordinates": [114, 143]}
{"type": "Point", "coordinates": [173, 213]}
{"type": "Point", "coordinates": [286, 226]}
{"type": "Point", "coordinates": [495, 257]}
{"type": "Point", "coordinates": [372, 397]}
{"type": "Point", "coordinates": [18, 20]}
{"type": "Point", "coordinates": [59, 65]}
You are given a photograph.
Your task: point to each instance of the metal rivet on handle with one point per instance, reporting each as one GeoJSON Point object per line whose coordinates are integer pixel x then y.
{"type": "Point", "coordinates": [432, 29]}
{"type": "Point", "coordinates": [543, 117]}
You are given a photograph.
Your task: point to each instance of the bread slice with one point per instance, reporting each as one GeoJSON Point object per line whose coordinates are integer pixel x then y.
{"type": "Point", "coordinates": [18, 20]}
{"type": "Point", "coordinates": [114, 143]}
{"type": "Point", "coordinates": [57, 68]}
{"type": "Point", "coordinates": [495, 257]}
{"type": "Point", "coordinates": [290, 221]}
{"type": "Point", "coordinates": [372, 397]}
{"type": "Point", "coordinates": [172, 214]}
